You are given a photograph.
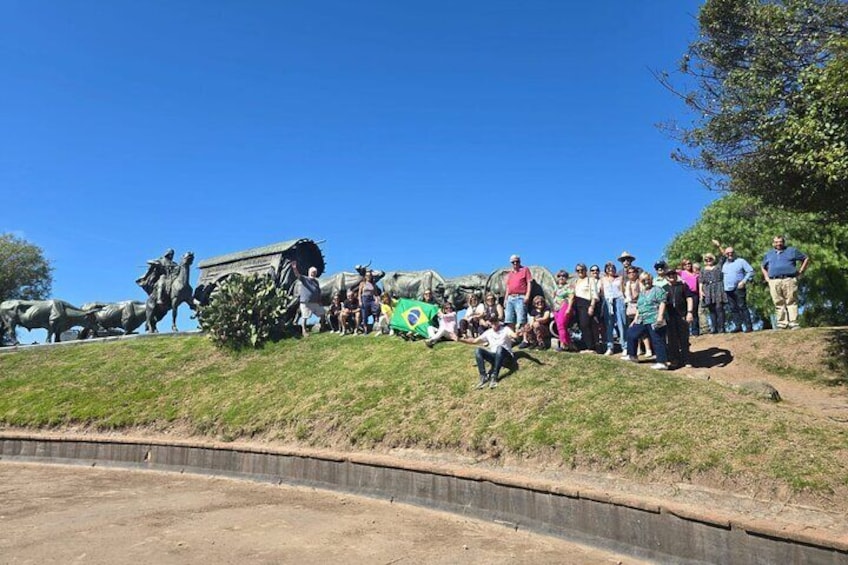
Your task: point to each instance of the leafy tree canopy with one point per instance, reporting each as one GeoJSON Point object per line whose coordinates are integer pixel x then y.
{"type": "Point", "coordinates": [744, 223]}
{"type": "Point", "coordinates": [768, 80]}
{"type": "Point", "coordinates": [24, 272]}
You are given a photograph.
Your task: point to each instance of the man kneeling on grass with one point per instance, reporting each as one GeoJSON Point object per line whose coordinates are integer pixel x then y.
{"type": "Point", "coordinates": [498, 352]}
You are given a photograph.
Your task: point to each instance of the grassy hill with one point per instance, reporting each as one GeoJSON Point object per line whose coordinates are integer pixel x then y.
{"type": "Point", "coordinates": [582, 412]}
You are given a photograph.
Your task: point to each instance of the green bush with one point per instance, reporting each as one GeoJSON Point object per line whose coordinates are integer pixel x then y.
{"type": "Point", "coordinates": [244, 311]}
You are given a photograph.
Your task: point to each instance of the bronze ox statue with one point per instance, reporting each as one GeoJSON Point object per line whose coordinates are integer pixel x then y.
{"type": "Point", "coordinates": [127, 316]}
{"type": "Point", "coordinates": [346, 280]}
{"type": "Point", "coordinates": [412, 284]}
{"type": "Point", "coordinates": [458, 289]}
{"type": "Point", "coordinates": [544, 282]}
{"type": "Point", "coordinates": [55, 316]}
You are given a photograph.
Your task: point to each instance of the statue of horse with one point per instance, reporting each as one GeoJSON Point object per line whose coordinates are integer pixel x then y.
{"type": "Point", "coordinates": [55, 316]}
{"type": "Point", "coordinates": [180, 292]}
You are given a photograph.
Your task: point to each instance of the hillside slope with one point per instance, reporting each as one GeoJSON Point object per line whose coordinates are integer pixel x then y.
{"type": "Point", "coordinates": [560, 413]}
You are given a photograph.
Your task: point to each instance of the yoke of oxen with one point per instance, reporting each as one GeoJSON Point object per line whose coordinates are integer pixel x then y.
{"type": "Point", "coordinates": [55, 316]}
{"type": "Point", "coordinates": [345, 281]}
{"type": "Point", "coordinates": [458, 289]}
{"type": "Point", "coordinates": [127, 315]}
{"type": "Point", "coordinates": [544, 282]}
{"type": "Point", "coordinates": [412, 284]}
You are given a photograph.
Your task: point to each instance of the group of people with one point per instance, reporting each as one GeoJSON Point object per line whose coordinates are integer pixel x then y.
{"type": "Point", "coordinates": [621, 309]}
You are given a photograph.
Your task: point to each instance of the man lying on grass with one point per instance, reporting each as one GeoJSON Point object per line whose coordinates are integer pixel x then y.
{"type": "Point", "coordinates": [498, 352]}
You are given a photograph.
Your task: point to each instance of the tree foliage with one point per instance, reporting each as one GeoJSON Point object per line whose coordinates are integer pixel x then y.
{"type": "Point", "coordinates": [244, 311]}
{"type": "Point", "coordinates": [24, 272]}
{"type": "Point", "coordinates": [749, 227]}
{"type": "Point", "coordinates": [768, 82]}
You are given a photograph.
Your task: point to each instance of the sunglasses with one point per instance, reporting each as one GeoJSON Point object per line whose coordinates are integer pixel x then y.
{"type": "Point", "coordinates": [594, 270]}
{"type": "Point", "coordinates": [515, 262]}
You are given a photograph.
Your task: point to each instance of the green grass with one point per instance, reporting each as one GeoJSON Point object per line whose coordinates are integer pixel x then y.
{"type": "Point", "coordinates": [575, 411]}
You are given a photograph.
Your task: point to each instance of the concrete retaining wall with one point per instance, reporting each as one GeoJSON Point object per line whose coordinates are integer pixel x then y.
{"type": "Point", "coordinates": [641, 528]}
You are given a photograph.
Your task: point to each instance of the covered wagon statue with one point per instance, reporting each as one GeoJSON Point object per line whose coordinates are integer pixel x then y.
{"type": "Point", "coordinates": [273, 261]}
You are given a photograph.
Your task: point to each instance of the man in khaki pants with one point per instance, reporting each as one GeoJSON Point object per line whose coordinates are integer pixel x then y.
{"type": "Point", "coordinates": [781, 273]}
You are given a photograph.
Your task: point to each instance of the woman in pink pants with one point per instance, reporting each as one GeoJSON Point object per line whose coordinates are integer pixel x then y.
{"type": "Point", "coordinates": [563, 298]}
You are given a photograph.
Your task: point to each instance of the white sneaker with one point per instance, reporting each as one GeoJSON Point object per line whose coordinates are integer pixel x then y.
{"type": "Point", "coordinates": [629, 358]}
{"type": "Point", "coordinates": [608, 352]}
{"type": "Point", "coordinates": [659, 367]}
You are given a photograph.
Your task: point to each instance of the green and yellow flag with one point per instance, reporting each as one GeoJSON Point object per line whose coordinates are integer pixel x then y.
{"type": "Point", "coordinates": [413, 316]}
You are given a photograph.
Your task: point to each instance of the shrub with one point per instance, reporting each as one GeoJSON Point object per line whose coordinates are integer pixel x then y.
{"type": "Point", "coordinates": [244, 311]}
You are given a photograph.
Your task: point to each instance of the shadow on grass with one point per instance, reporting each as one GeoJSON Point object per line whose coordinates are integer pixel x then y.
{"type": "Point", "coordinates": [837, 361]}
{"type": "Point", "coordinates": [712, 357]}
{"type": "Point", "coordinates": [511, 364]}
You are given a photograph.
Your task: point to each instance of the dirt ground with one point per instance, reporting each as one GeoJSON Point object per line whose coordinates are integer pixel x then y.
{"type": "Point", "coordinates": [65, 514]}
{"type": "Point", "coordinates": [727, 359]}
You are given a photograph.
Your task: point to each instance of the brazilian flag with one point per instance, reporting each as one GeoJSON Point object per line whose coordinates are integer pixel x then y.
{"type": "Point", "coordinates": [413, 316]}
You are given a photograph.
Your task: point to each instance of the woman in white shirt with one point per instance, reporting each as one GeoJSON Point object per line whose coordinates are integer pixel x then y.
{"type": "Point", "coordinates": [469, 326]}
{"type": "Point", "coordinates": [614, 308]}
{"type": "Point", "coordinates": [447, 326]}
{"type": "Point", "coordinates": [585, 304]}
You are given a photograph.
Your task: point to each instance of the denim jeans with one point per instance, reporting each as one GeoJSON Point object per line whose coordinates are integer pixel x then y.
{"type": "Point", "coordinates": [369, 307]}
{"type": "Point", "coordinates": [738, 302]}
{"type": "Point", "coordinates": [495, 359]}
{"type": "Point", "coordinates": [636, 331]}
{"type": "Point", "coordinates": [515, 308]}
{"type": "Point", "coordinates": [614, 318]}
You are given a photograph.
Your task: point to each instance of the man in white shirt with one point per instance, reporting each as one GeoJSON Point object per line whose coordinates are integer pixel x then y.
{"type": "Point", "coordinates": [498, 339]}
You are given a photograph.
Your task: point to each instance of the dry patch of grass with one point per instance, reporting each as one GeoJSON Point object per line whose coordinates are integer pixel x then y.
{"type": "Point", "coordinates": [817, 356]}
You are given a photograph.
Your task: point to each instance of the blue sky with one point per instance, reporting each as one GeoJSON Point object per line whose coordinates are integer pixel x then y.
{"type": "Point", "coordinates": [443, 135]}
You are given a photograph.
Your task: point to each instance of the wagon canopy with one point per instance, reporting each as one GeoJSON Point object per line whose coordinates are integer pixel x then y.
{"type": "Point", "coordinates": [270, 260]}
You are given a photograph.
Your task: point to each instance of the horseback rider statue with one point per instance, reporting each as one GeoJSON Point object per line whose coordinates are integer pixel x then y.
{"type": "Point", "coordinates": [159, 276]}
{"type": "Point", "coordinates": [167, 286]}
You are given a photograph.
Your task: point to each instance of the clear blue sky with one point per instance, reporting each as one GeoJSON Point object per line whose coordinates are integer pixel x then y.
{"type": "Point", "coordinates": [443, 135]}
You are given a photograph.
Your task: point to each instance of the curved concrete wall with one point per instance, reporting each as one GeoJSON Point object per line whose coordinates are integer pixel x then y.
{"type": "Point", "coordinates": [641, 528]}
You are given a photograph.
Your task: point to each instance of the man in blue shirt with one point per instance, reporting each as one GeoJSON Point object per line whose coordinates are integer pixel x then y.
{"type": "Point", "coordinates": [737, 274]}
{"type": "Point", "coordinates": [781, 271]}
